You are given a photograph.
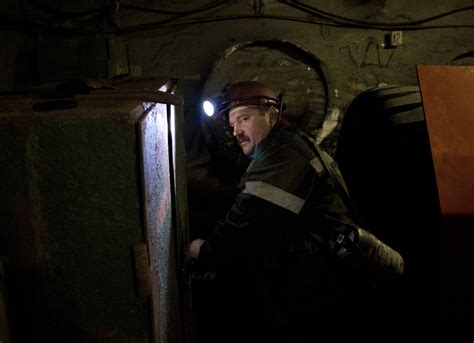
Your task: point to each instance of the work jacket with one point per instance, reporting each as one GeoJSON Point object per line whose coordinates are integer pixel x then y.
{"type": "Point", "coordinates": [282, 273]}
{"type": "Point", "coordinates": [285, 193]}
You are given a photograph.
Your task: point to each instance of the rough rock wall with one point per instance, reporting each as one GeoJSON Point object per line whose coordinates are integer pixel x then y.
{"type": "Point", "coordinates": [351, 59]}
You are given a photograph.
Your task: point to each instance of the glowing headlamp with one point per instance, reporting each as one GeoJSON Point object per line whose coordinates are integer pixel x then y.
{"type": "Point", "coordinates": [213, 107]}
{"type": "Point", "coordinates": [208, 108]}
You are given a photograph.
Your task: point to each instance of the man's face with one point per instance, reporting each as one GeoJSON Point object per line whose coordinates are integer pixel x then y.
{"type": "Point", "coordinates": [251, 126]}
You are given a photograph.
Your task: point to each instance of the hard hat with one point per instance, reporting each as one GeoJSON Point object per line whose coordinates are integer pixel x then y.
{"type": "Point", "coordinates": [248, 93]}
{"type": "Point", "coordinates": [245, 93]}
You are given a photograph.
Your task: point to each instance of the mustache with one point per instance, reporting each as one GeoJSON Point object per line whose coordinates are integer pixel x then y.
{"type": "Point", "coordinates": [242, 138]}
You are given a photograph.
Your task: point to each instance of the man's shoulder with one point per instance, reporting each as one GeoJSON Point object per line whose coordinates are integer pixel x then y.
{"type": "Point", "coordinates": [284, 163]}
{"type": "Point", "coordinates": [287, 144]}
{"type": "Point", "coordinates": [279, 152]}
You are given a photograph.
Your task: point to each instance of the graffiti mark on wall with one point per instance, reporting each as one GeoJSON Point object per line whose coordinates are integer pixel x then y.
{"type": "Point", "coordinates": [325, 31]}
{"type": "Point", "coordinates": [370, 55]}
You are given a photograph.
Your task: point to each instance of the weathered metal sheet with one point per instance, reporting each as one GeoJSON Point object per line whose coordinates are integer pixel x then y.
{"type": "Point", "coordinates": [71, 211]}
{"type": "Point", "coordinates": [70, 196]}
{"type": "Point", "coordinates": [158, 220]}
{"type": "Point", "coordinates": [447, 93]}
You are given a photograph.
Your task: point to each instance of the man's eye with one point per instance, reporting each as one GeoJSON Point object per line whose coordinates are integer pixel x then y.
{"type": "Point", "coordinates": [243, 120]}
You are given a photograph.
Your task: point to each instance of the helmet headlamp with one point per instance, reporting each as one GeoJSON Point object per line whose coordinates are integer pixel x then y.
{"type": "Point", "coordinates": [245, 93]}
{"type": "Point", "coordinates": [214, 107]}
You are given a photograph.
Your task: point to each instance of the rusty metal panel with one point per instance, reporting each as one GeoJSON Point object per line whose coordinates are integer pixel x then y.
{"type": "Point", "coordinates": [155, 152]}
{"type": "Point", "coordinates": [447, 94]}
{"type": "Point", "coordinates": [71, 210]}
{"type": "Point", "coordinates": [70, 198]}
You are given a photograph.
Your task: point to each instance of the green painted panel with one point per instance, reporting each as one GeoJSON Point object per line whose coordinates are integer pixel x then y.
{"type": "Point", "coordinates": [71, 211]}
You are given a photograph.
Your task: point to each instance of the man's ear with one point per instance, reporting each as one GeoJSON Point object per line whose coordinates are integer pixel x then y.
{"type": "Point", "coordinates": [273, 114]}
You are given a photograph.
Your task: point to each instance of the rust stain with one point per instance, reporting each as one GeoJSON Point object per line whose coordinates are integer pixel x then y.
{"type": "Point", "coordinates": [160, 220]}
{"type": "Point", "coordinates": [38, 249]}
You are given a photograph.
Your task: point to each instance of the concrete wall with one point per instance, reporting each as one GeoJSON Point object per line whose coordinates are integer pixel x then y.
{"type": "Point", "coordinates": [351, 59]}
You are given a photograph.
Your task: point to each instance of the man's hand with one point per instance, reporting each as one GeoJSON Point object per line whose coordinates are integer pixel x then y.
{"type": "Point", "coordinates": [192, 250]}
{"type": "Point", "coordinates": [192, 253]}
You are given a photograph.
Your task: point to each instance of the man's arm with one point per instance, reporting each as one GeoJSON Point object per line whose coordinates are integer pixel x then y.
{"type": "Point", "coordinates": [253, 227]}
